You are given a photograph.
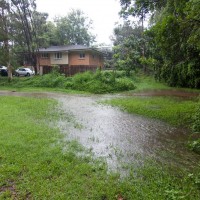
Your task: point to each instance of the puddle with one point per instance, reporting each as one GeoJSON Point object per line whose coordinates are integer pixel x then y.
{"type": "Point", "coordinates": [120, 138]}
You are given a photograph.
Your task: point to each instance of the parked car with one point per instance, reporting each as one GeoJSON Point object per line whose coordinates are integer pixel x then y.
{"type": "Point", "coordinates": [4, 72]}
{"type": "Point", "coordinates": [24, 72]}
{"type": "Point", "coordinates": [2, 67]}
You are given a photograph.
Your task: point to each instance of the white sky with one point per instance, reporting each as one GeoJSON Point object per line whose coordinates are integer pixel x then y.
{"type": "Point", "coordinates": [103, 13]}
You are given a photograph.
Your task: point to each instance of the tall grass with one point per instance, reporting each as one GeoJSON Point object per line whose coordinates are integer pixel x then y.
{"type": "Point", "coordinates": [98, 82]}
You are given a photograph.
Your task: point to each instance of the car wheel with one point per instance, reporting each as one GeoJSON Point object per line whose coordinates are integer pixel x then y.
{"type": "Point", "coordinates": [17, 74]}
{"type": "Point", "coordinates": [28, 74]}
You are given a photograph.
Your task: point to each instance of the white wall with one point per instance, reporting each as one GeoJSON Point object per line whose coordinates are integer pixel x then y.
{"type": "Point", "coordinates": [62, 61]}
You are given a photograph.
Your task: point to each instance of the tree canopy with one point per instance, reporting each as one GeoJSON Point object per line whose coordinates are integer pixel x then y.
{"type": "Point", "coordinates": [74, 29]}
{"type": "Point", "coordinates": [173, 39]}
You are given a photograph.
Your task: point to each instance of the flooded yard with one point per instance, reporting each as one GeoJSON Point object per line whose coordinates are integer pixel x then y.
{"type": "Point", "coordinates": [121, 138]}
{"type": "Point", "coordinates": [116, 136]}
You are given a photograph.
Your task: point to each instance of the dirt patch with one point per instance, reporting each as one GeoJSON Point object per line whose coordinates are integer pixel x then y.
{"type": "Point", "coordinates": [11, 188]}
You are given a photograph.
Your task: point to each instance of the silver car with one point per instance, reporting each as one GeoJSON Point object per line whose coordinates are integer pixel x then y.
{"type": "Point", "coordinates": [24, 72]}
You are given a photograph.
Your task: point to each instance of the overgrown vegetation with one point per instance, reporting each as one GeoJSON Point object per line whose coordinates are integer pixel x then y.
{"type": "Point", "coordinates": [169, 47]}
{"type": "Point", "coordinates": [98, 82]}
{"type": "Point", "coordinates": [34, 164]}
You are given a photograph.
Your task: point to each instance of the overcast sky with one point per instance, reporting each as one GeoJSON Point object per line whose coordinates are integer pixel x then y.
{"type": "Point", "coordinates": [103, 13]}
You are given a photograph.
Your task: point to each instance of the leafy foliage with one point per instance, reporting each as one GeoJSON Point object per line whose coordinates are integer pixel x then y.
{"type": "Point", "coordinates": [74, 29]}
{"type": "Point", "coordinates": [98, 82]}
{"type": "Point", "coordinates": [127, 50]}
{"type": "Point", "coordinates": [173, 38]}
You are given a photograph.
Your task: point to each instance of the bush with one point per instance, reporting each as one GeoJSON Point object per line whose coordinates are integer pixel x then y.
{"type": "Point", "coordinates": [98, 82]}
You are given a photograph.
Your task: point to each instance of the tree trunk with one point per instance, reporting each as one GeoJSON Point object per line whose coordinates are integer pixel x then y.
{"type": "Point", "coordinates": [143, 43]}
{"type": "Point", "coordinates": [6, 44]}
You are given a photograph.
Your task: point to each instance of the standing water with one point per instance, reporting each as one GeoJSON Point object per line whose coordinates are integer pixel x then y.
{"type": "Point", "coordinates": [118, 137]}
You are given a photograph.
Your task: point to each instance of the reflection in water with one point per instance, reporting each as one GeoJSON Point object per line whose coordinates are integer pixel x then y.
{"type": "Point", "coordinates": [119, 137]}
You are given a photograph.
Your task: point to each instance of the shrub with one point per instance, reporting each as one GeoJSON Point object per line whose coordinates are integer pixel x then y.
{"type": "Point", "coordinates": [98, 82]}
{"type": "Point", "coordinates": [124, 84]}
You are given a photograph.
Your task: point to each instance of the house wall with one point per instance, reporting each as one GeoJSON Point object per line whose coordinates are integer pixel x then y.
{"type": "Point", "coordinates": [44, 61]}
{"type": "Point", "coordinates": [96, 59]}
{"type": "Point", "coordinates": [64, 60]}
{"type": "Point", "coordinates": [71, 63]}
{"type": "Point", "coordinates": [74, 58]}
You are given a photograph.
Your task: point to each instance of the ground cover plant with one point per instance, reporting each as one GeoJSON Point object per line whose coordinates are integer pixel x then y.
{"type": "Point", "coordinates": [98, 82]}
{"type": "Point", "coordinates": [35, 163]}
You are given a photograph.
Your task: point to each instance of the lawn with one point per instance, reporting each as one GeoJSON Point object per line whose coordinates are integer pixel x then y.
{"type": "Point", "coordinates": [34, 164]}
{"type": "Point", "coordinates": [171, 110]}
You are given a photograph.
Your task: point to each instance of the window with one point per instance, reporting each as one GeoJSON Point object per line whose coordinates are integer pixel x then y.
{"type": "Point", "coordinates": [82, 55]}
{"type": "Point", "coordinates": [93, 56]}
{"type": "Point", "coordinates": [58, 55]}
{"type": "Point", "coordinates": [44, 55]}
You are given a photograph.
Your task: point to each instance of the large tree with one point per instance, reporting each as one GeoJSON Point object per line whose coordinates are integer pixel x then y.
{"type": "Point", "coordinates": [23, 26]}
{"type": "Point", "coordinates": [128, 43]}
{"type": "Point", "coordinates": [174, 38]}
{"type": "Point", "coordinates": [74, 29]}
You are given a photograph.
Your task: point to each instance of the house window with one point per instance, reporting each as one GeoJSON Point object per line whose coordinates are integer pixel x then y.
{"type": "Point", "coordinates": [45, 55]}
{"type": "Point", "coordinates": [58, 55]}
{"type": "Point", "coordinates": [93, 56]}
{"type": "Point", "coordinates": [82, 55]}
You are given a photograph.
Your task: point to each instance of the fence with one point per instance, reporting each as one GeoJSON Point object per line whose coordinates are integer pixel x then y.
{"type": "Point", "coordinates": [71, 70]}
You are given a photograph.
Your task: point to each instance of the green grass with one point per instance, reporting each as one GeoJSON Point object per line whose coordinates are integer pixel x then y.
{"type": "Point", "coordinates": [171, 110]}
{"type": "Point", "coordinates": [34, 164]}
{"type": "Point", "coordinates": [148, 83]}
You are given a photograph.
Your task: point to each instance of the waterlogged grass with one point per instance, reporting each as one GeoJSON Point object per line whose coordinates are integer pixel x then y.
{"type": "Point", "coordinates": [171, 110]}
{"type": "Point", "coordinates": [36, 164]}
{"type": "Point", "coordinates": [143, 82]}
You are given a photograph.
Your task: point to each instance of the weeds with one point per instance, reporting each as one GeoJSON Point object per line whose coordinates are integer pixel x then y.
{"type": "Point", "coordinates": [98, 82]}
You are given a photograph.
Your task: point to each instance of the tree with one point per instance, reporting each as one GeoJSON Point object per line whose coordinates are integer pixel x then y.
{"type": "Point", "coordinates": [25, 29]}
{"type": "Point", "coordinates": [127, 50]}
{"type": "Point", "coordinates": [4, 38]}
{"type": "Point", "coordinates": [74, 29]}
{"type": "Point", "coordinates": [174, 37]}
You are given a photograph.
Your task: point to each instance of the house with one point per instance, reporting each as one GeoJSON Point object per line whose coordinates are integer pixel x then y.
{"type": "Point", "coordinates": [70, 59]}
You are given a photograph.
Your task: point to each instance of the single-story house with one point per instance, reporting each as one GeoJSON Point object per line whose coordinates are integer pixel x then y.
{"type": "Point", "coordinates": [70, 59]}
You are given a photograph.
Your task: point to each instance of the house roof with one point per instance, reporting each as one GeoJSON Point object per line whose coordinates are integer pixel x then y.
{"type": "Point", "coordinates": [66, 48]}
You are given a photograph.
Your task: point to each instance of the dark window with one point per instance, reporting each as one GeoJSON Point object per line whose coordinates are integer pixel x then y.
{"type": "Point", "coordinates": [44, 55]}
{"type": "Point", "coordinates": [58, 55]}
{"type": "Point", "coordinates": [82, 55]}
